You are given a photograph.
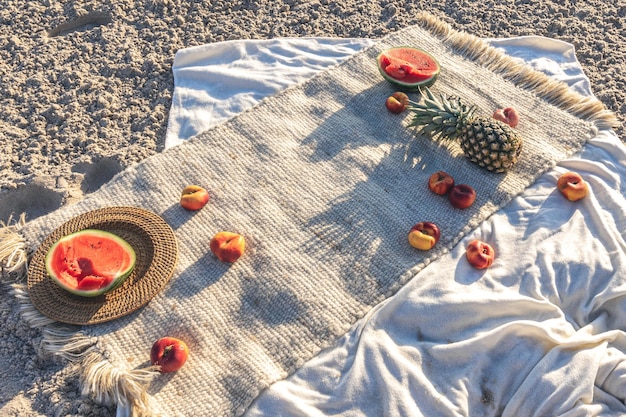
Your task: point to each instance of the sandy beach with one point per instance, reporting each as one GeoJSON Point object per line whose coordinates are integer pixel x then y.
{"type": "Point", "coordinates": [86, 89]}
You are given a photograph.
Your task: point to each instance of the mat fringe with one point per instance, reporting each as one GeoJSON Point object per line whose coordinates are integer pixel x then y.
{"type": "Point", "coordinates": [108, 384]}
{"type": "Point", "coordinates": [13, 250]}
{"type": "Point", "coordinates": [98, 378]}
{"type": "Point", "coordinates": [554, 92]}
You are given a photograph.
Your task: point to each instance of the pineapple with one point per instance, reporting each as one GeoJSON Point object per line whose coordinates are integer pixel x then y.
{"type": "Point", "coordinates": [490, 143]}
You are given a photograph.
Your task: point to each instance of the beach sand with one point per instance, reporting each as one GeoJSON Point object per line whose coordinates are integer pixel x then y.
{"type": "Point", "coordinates": [86, 88]}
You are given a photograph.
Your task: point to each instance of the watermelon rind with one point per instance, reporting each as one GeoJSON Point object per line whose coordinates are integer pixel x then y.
{"type": "Point", "coordinates": [407, 86]}
{"type": "Point", "coordinates": [56, 270]}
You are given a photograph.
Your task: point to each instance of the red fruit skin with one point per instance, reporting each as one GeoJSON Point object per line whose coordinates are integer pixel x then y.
{"type": "Point", "coordinates": [194, 197]}
{"type": "Point", "coordinates": [169, 353]}
{"type": "Point", "coordinates": [424, 235]}
{"type": "Point", "coordinates": [508, 115]}
{"type": "Point", "coordinates": [480, 254]}
{"type": "Point", "coordinates": [397, 102]}
{"type": "Point", "coordinates": [572, 185]}
{"type": "Point", "coordinates": [440, 183]}
{"type": "Point", "coordinates": [462, 196]}
{"type": "Point", "coordinates": [227, 246]}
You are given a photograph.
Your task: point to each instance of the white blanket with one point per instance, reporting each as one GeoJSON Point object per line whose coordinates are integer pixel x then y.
{"type": "Point", "coordinates": [540, 333]}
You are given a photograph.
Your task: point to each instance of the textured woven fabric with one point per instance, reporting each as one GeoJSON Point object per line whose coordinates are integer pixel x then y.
{"type": "Point", "coordinates": [324, 184]}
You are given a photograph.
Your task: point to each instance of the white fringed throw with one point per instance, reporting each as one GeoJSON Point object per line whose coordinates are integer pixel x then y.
{"type": "Point", "coordinates": [324, 183]}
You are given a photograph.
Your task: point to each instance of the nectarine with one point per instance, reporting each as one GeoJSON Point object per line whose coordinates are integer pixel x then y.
{"type": "Point", "coordinates": [572, 186]}
{"type": "Point", "coordinates": [440, 182]}
{"type": "Point", "coordinates": [424, 235]}
{"type": "Point", "coordinates": [397, 102]}
{"type": "Point", "coordinates": [462, 196]}
{"type": "Point", "coordinates": [227, 246]}
{"type": "Point", "coordinates": [194, 197]}
{"type": "Point", "coordinates": [169, 353]}
{"type": "Point", "coordinates": [480, 254]}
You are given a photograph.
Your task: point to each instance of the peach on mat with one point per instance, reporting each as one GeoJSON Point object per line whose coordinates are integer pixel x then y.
{"type": "Point", "coordinates": [462, 196]}
{"type": "Point", "coordinates": [228, 246]}
{"type": "Point", "coordinates": [169, 354]}
{"type": "Point", "coordinates": [194, 197]}
{"type": "Point", "coordinates": [424, 235]}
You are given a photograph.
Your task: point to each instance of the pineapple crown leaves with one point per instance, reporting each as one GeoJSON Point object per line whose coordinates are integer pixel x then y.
{"type": "Point", "coordinates": [439, 118]}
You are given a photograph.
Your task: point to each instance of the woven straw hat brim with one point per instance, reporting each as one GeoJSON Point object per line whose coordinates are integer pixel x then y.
{"type": "Point", "coordinates": [157, 252]}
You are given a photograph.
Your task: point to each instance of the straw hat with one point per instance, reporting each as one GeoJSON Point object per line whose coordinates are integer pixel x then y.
{"type": "Point", "coordinates": [155, 246]}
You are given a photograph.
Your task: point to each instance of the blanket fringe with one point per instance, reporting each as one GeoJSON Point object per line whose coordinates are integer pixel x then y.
{"type": "Point", "coordinates": [109, 384]}
{"type": "Point", "coordinates": [13, 249]}
{"type": "Point", "coordinates": [554, 92]}
{"type": "Point", "coordinates": [98, 378]}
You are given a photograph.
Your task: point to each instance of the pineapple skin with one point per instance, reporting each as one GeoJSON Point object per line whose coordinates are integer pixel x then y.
{"type": "Point", "coordinates": [490, 143]}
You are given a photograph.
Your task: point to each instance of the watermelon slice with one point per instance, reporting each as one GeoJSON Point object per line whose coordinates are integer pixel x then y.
{"type": "Point", "coordinates": [90, 262]}
{"type": "Point", "coordinates": [408, 68]}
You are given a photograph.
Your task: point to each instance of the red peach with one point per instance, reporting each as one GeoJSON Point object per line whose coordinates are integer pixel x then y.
{"type": "Point", "coordinates": [194, 197]}
{"type": "Point", "coordinates": [424, 235]}
{"type": "Point", "coordinates": [462, 196]}
{"type": "Point", "coordinates": [169, 353]}
{"type": "Point", "coordinates": [397, 102]}
{"type": "Point", "coordinates": [227, 246]}
{"type": "Point", "coordinates": [440, 182]}
{"type": "Point", "coordinates": [508, 116]}
{"type": "Point", "coordinates": [572, 186]}
{"type": "Point", "coordinates": [480, 254]}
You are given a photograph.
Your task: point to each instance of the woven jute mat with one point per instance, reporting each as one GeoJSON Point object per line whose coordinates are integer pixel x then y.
{"type": "Point", "coordinates": [324, 184]}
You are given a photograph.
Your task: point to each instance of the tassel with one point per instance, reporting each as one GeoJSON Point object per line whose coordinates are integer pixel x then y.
{"type": "Point", "coordinates": [109, 384]}
{"type": "Point", "coordinates": [99, 379]}
{"type": "Point", "coordinates": [554, 92]}
{"type": "Point", "coordinates": [13, 250]}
